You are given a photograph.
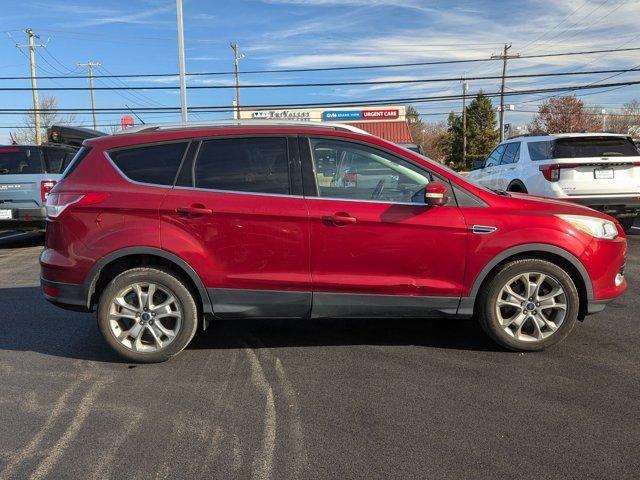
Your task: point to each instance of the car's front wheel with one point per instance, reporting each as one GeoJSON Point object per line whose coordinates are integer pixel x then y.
{"type": "Point", "coordinates": [528, 305]}
{"type": "Point", "coordinates": [147, 314]}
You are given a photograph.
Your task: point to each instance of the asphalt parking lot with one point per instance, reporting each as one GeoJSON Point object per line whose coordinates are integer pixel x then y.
{"type": "Point", "coordinates": [321, 399]}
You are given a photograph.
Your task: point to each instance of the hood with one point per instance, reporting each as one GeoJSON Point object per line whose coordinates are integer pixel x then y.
{"type": "Point", "coordinates": [534, 203]}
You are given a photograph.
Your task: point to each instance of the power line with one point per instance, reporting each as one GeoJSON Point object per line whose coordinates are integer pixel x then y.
{"type": "Point", "coordinates": [329, 69]}
{"type": "Point", "coordinates": [357, 103]}
{"type": "Point", "coordinates": [617, 71]}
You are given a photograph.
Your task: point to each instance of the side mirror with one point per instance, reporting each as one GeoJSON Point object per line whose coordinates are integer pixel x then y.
{"type": "Point", "coordinates": [477, 164]}
{"type": "Point", "coordinates": [435, 194]}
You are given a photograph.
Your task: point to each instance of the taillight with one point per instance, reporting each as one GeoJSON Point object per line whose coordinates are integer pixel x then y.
{"type": "Point", "coordinates": [551, 172]}
{"type": "Point", "coordinates": [45, 187]}
{"type": "Point", "coordinates": [59, 202]}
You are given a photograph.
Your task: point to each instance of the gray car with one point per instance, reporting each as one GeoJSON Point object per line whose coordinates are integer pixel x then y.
{"type": "Point", "coordinates": [27, 174]}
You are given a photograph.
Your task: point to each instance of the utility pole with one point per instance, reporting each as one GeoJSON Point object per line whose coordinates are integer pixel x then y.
{"type": "Point", "coordinates": [236, 56]}
{"type": "Point", "coordinates": [604, 120]}
{"type": "Point", "coordinates": [90, 64]}
{"type": "Point", "coordinates": [181, 64]}
{"type": "Point", "coordinates": [34, 84]}
{"type": "Point", "coordinates": [505, 56]}
{"type": "Point", "coordinates": [465, 88]}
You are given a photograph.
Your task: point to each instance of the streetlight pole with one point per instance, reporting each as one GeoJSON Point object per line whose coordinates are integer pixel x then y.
{"type": "Point", "coordinates": [181, 63]}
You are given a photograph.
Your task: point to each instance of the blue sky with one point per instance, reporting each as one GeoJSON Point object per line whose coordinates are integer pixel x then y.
{"type": "Point", "coordinates": [139, 36]}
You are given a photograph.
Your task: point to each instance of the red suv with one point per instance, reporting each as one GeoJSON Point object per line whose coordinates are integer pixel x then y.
{"type": "Point", "coordinates": [167, 228]}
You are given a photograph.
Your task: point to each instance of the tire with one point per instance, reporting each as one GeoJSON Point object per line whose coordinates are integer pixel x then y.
{"type": "Point", "coordinates": [153, 335]}
{"type": "Point", "coordinates": [503, 321]}
{"type": "Point", "coordinates": [516, 187]}
{"type": "Point", "coordinates": [627, 223]}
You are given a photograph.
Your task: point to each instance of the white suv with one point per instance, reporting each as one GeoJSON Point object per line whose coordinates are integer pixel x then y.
{"type": "Point", "coordinates": [599, 170]}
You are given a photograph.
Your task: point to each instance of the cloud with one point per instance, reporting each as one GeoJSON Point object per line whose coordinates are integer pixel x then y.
{"type": "Point", "coordinates": [410, 4]}
{"type": "Point", "coordinates": [92, 16]}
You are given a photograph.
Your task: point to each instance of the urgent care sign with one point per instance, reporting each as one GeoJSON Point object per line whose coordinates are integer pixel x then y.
{"type": "Point", "coordinates": [389, 114]}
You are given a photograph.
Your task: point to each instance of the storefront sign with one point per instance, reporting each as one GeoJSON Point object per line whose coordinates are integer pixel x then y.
{"type": "Point", "coordinates": [380, 114]}
{"type": "Point", "coordinates": [282, 115]}
{"type": "Point", "coordinates": [334, 115]}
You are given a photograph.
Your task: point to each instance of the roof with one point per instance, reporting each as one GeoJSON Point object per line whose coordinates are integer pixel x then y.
{"type": "Point", "coordinates": [147, 128]}
{"type": "Point", "coordinates": [396, 132]}
{"type": "Point", "coordinates": [547, 136]}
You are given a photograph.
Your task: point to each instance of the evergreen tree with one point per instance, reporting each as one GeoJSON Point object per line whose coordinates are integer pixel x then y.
{"type": "Point", "coordinates": [482, 133]}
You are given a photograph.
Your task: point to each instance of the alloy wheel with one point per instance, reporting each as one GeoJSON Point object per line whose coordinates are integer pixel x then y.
{"type": "Point", "coordinates": [531, 306]}
{"type": "Point", "coordinates": [145, 317]}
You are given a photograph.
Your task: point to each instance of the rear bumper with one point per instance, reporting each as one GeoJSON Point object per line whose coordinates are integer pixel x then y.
{"type": "Point", "coordinates": [69, 296]}
{"type": "Point", "coordinates": [616, 206]}
{"type": "Point", "coordinates": [24, 219]}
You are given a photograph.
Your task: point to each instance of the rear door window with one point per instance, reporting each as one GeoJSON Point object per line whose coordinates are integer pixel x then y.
{"type": "Point", "coordinates": [153, 164]}
{"type": "Point", "coordinates": [20, 160]}
{"type": "Point", "coordinates": [252, 165]}
{"type": "Point", "coordinates": [511, 153]}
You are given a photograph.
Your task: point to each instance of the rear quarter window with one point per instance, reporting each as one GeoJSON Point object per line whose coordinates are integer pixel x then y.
{"type": "Point", "coordinates": [540, 150]}
{"type": "Point", "coordinates": [154, 164]}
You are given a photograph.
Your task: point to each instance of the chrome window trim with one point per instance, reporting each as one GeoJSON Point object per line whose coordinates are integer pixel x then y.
{"type": "Point", "coordinates": [285, 195]}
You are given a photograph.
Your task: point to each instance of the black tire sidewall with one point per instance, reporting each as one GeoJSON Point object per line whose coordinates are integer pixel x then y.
{"type": "Point", "coordinates": [171, 282]}
{"type": "Point", "coordinates": [488, 318]}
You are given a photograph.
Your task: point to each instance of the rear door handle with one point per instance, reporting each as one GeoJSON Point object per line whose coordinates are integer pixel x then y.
{"type": "Point", "coordinates": [340, 218]}
{"type": "Point", "coordinates": [194, 210]}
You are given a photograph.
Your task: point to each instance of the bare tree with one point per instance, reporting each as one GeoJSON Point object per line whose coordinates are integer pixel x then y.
{"type": "Point", "coordinates": [427, 135]}
{"type": "Point", "coordinates": [565, 115]}
{"type": "Point", "coordinates": [627, 120]}
{"type": "Point", "coordinates": [48, 117]}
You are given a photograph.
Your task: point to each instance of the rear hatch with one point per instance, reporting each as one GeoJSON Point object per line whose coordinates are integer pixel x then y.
{"type": "Point", "coordinates": [22, 168]}
{"type": "Point", "coordinates": [604, 165]}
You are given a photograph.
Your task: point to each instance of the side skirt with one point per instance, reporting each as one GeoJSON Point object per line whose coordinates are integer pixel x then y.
{"type": "Point", "coordinates": [346, 305]}
{"type": "Point", "coordinates": [240, 303]}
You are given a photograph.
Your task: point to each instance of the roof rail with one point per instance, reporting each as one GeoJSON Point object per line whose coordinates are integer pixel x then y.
{"type": "Point", "coordinates": [543, 134]}
{"type": "Point", "coordinates": [240, 123]}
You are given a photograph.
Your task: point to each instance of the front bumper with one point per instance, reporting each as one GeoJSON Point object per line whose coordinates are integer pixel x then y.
{"type": "Point", "coordinates": [24, 219]}
{"type": "Point", "coordinates": [69, 296]}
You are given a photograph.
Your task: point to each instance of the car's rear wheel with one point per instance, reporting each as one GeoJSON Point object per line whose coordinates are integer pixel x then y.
{"type": "Point", "coordinates": [528, 305]}
{"type": "Point", "coordinates": [627, 223]}
{"type": "Point", "coordinates": [147, 314]}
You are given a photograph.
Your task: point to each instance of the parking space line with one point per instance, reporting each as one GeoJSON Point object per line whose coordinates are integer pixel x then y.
{"type": "Point", "coordinates": [13, 235]}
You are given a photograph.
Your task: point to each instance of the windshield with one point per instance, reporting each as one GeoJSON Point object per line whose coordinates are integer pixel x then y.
{"type": "Point", "coordinates": [20, 160]}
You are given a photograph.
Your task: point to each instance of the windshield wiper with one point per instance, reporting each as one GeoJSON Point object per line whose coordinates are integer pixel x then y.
{"type": "Point", "coordinates": [501, 192]}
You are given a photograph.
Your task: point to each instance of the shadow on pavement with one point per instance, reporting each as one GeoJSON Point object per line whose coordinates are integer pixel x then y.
{"type": "Point", "coordinates": [29, 323]}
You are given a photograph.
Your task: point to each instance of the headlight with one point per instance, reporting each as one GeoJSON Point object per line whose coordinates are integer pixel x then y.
{"type": "Point", "coordinates": [596, 227]}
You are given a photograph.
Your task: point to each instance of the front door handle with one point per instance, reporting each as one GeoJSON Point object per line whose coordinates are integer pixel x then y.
{"type": "Point", "coordinates": [340, 218]}
{"type": "Point", "coordinates": [194, 210]}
